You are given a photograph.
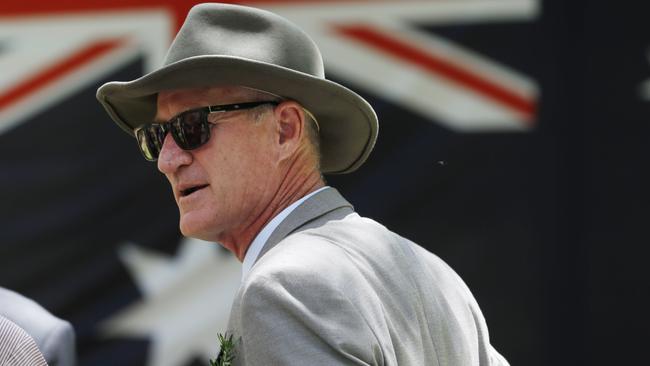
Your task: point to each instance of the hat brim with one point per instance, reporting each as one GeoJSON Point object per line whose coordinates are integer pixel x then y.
{"type": "Point", "coordinates": [348, 124]}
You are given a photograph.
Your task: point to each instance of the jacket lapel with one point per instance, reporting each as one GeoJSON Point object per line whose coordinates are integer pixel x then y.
{"type": "Point", "coordinates": [317, 210]}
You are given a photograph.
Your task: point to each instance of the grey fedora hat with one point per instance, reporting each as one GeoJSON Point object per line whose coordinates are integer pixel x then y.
{"type": "Point", "coordinates": [223, 44]}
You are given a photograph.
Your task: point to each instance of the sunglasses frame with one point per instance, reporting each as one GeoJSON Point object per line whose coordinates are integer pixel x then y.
{"type": "Point", "coordinates": [150, 148]}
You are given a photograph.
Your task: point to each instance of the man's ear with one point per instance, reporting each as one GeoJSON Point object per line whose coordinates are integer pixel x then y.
{"type": "Point", "coordinates": [290, 119]}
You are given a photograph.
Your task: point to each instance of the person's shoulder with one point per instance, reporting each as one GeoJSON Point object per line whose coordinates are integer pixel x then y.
{"type": "Point", "coordinates": [341, 256]}
{"type": "Point", "coordinates": [304, 257]}
{"type": "Point", "coordinates": [30, 315]}
{"type": "Point", "coordinates": [54, 336]}
{"type": "Point", "coordinates": [353, 232]}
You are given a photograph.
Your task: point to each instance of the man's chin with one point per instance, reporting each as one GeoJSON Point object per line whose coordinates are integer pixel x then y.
{"type": "Point", "coordinates": [191, 228]}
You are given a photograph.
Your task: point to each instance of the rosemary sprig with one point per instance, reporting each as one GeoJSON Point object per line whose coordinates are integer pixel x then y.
{"type": "Point", "coordinates": [227, 351]}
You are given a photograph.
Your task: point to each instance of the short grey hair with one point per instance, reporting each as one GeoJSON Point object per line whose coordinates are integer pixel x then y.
{"type": "Point", "coordinates": [312, 128]}
{"type": "Point", "coordinates": [313, 135]}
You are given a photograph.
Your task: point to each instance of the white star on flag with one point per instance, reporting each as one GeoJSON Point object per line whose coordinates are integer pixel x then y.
{"type": "Point", "coordinates": [186, 301]}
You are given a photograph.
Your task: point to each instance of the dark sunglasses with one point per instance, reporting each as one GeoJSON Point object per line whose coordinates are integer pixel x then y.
{"type": "Point", "coordinates": [190, 129]}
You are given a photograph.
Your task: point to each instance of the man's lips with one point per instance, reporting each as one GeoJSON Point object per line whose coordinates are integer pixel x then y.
{"type": "Point", "coordinates": [188, 190]}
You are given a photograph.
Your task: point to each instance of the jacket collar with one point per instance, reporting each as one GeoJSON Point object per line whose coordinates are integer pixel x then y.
{"type": "Point", "coordinates": [324, 206]}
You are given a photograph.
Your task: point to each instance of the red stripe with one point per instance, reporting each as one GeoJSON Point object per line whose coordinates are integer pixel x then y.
{"type": "Point", "coordinates": [58, 70]}
{"type": "Point", "coordinates": [440, 66]}
{"type": "Point", "coordinates": [32, 6]}
{"type": "Point", "coordinates": [179, 8]}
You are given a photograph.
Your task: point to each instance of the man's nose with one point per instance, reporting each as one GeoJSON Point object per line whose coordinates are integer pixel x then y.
{"type": "Point", "coordinates": [172, 157]}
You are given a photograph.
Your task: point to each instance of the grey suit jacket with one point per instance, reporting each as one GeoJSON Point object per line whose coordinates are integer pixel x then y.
{"type": "Point", "coordinates": [54, 337]}
{"type": "Point", "coordinates": [333, 288]}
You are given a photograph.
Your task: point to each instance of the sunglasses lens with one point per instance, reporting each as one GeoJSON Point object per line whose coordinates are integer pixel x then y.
{"type": "Point", "coordinates": [191, 130]}
{"type": "Point", "coordinates": [150, 141]}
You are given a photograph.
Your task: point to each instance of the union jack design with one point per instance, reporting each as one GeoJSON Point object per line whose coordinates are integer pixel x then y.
{"type": "Point", "coordinates": [53, 50]}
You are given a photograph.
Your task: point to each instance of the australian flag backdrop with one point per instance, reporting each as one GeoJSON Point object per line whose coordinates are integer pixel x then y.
{"type": "Point", "coordinates": [513, 143]}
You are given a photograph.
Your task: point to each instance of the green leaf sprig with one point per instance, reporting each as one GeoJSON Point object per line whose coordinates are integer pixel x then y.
{"type": "Point", "coordinates": [227, 351]}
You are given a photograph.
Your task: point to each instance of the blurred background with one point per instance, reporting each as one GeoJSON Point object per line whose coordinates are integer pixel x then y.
{"type": "Point", "coordinates": [513, 144]}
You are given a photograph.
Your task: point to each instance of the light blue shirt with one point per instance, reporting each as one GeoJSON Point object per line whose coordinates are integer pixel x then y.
{"type": "Point", "coordinates": [258, 243]}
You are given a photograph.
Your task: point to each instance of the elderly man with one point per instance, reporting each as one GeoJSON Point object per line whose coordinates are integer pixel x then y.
{"type": "Point", "coordinates": [243, 123]}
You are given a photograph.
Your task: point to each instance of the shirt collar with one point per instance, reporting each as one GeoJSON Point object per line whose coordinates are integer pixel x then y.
{"type": "Point", "coordinates": [258, 243]}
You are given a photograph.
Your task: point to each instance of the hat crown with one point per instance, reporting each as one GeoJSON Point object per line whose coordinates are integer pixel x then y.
{"type": "Point", "coordinates": [227, 30]}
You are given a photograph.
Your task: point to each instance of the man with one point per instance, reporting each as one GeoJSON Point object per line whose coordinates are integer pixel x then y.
{"type": "Point", "coordinates": [27, 322]}
{"type": "Point", "coordinates": [242, 122]}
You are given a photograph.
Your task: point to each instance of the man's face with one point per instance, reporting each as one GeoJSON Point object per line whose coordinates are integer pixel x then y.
{"type": "Point", "coordinates": [222, 187]}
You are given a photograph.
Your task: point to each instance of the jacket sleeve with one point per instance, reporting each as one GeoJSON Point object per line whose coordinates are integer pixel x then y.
{"type": "Point", "coordinates": [290, 318]}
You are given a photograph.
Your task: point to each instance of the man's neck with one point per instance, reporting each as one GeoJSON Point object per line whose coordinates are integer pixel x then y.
{"type": "Point", "coordinates": [263, 236]}
{"type": "Point", "coordinates": [292, 188]}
